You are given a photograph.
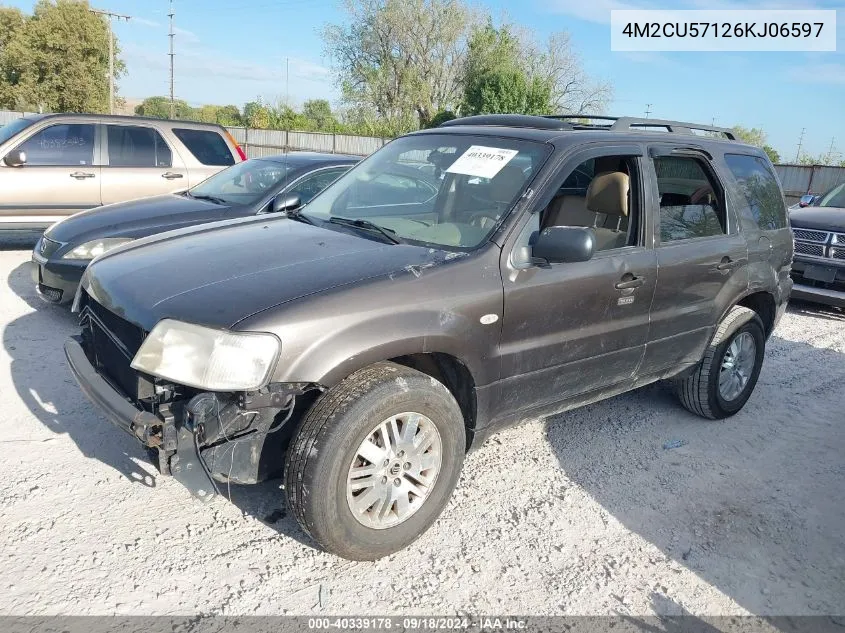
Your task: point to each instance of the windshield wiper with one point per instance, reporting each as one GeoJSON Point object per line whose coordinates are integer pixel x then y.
{"type": "Point", "coordinates": [388, 234]}
{"type": "Point", "coordinates": [213, 199]}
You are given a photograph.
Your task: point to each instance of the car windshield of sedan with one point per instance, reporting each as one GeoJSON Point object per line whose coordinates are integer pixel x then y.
{"type": "Point", "coordinates": [243, 183]}
{"type": "Point", "coordinates": [434, 189]}
{"type": "Point", "coordinates": [834, 198]}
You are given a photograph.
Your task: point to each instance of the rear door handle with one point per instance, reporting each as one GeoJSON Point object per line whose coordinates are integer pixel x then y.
{"type": "Point", "coordinates": [171, 175]}
{"type": "Point", "coordinates": [81, 175]}
{"type": "Point", "coordinates": [630, 281]}
{"type": "Point", "coordinates": [726, 264]}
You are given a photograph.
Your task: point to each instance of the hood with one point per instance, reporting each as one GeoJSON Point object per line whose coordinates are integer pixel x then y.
{"type": "Point", "coordinates": [820, 218]}
{"type": "Point", "coordinates": [219, 274]}
{"type": "Point", "coordinates": [137, 218]}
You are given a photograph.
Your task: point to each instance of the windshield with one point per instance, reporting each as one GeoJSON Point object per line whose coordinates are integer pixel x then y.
{"type": "Point", "coordinates": [10, 129]}
{"type": "Point", "coordinates": [244, 183]}
{"type": "Point", "coordinates": [435, 189]}
{"type": "Point", "coordinates": [834, 197]}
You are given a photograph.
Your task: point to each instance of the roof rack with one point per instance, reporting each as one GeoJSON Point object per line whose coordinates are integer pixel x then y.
{"type": "Point", "coordinates": [511, 120]}
{"type": "Point", "coordinates": [626, 124]}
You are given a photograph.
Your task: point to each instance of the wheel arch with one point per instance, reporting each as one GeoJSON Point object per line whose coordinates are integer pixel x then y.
{"type": "Point", "coordinates": [764, 304]}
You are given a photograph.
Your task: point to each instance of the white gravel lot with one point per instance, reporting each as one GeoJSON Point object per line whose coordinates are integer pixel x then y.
{"type": "Point", "coordinates": [586, 513]}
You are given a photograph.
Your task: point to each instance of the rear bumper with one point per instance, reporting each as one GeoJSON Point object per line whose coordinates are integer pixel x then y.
{"type": "Point", "coordinates": [184, 464]}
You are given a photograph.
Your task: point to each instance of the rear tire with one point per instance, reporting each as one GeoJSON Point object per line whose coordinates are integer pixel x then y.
{"type": "Point", "coordinates": [720, 386]}
{"type": "Point", "coordinates": [412, 430]}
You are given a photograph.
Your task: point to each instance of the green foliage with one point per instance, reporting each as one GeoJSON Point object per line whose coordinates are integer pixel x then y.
{"type": "Point", "coordinates": [159, 108]}
{"type": "Point", "coordinates": [772, 153]}
{"type": "Point", "coordinates": [757, 137]}
{"type": "Point", "coordinates": [441, 117]}
{"type": "Point", "coordinates": [57, 59]}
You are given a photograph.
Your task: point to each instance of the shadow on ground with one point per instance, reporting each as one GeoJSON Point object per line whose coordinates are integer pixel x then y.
{"type": "Point", "coordinates": [751, 504]}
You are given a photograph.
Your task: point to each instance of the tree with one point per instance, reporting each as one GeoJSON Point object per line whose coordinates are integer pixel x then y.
{"type": "Point", "coordinates": [495, 80]}
{"type": "Point", "coordinates": [400, 58]}
{"type": "Point", "coordinates": [159, 108]}
{"type": "Point", "coordinates": [772, 153]}
{"type": "Point", "coordinates": [318, 113]}
{"type": "Point", "coordinates": [441, 117]}
{"type": "Point", "coordinates": [256, 115]}
{"type": "Point", "coordinates": [757, 137]}
{"type": "Point", "coordinates": [58, 59]}
{"type": "Point", "coordinates": [11, 21]}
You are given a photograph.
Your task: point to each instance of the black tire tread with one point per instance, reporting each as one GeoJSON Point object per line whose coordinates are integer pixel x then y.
{"type": "Point", "coordinates": [693, 390]}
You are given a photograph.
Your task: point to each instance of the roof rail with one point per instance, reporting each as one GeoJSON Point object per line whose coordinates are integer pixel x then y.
{"type": "Point", "coordinates": [624, 124]}
{"type": "Point", "coordinates": [511, 120]}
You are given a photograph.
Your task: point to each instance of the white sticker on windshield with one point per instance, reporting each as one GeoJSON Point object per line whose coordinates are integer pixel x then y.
{"type": "Point", "coordinates": [484, 162]}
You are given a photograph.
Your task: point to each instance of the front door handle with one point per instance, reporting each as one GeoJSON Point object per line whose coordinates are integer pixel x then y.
{"type": "Point", "coordinates": [81, 175]}
{"type": "Point", "coordinates": [171, 175]}
{"type": "Point", "coordinates": [726, 264]}
{"type": "Point", "coordinates": [630, 281]}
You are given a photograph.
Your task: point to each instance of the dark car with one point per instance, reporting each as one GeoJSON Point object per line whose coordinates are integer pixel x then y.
{"type": "Point", "coordinates": [364, 346]}
{"type": "Point", "coordinates": [819, 266]}
{"type": "Point", "coordinates": [260, 185]}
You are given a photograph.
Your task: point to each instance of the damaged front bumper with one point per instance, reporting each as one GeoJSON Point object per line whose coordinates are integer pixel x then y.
{"type": "Point", "coordinates": [203, 440]}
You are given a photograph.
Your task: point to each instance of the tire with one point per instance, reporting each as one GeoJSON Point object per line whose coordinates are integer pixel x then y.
{"type": "Point", "coordinates": [329, 438]}
{"type": "Point", "coordinates": [699, 392]}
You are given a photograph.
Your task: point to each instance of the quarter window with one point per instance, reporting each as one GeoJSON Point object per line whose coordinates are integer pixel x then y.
{"type": "Point", "coordinates": [209, 148]}
{"type": "Point", "coordinates": [760, 189]}
{"type": "Point", "coordinates": [62, 145]}
{"type": "Point", "coordinates": [690, 206]}
{"type": "Point", "coordinates": [133, 146]}
{"type": "Point", "coordinates": [311, 185]}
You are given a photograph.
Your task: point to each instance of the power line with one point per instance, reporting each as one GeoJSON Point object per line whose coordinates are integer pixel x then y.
{"type": "Point", "coordinates": [800, 141]}
{"type": "Point", "coordinates": [172, 35]}
{"type": "Point", "coordinates": [109, 16]}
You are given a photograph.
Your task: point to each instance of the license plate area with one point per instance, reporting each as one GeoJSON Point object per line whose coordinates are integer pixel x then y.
{"type": "Point", "coordinates": [825, 274]}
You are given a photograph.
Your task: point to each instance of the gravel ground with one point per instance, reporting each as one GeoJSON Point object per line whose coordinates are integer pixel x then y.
{"type": "Point", "coordinates": [585, 513]}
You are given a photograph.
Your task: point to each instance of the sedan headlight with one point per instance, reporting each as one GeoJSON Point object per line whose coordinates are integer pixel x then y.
{"type": "Point", "coordinates": [205, 358]}
{"type": "Point", "coordinates": [90, 250]}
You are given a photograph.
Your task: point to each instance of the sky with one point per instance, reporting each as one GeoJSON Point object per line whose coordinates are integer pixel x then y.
{"type": "Point", "coordinates": [231, 51]}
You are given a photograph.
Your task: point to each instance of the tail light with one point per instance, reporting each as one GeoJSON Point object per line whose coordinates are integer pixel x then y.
{"type": "Point", "coordinates": [240, 151]}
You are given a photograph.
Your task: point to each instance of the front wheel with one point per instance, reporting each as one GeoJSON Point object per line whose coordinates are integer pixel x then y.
{"type": "Point", "coordinates": [375, 461]}
{"type": "Point", "coordinates": [724, 380]}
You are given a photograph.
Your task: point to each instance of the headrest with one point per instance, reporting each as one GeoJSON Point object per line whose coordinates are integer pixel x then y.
{"type": "Point", "coordinates": [608, 193]}
{"type": "Point", "coordinates": [505, 185]}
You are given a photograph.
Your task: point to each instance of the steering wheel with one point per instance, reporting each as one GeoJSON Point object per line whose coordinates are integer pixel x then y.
{"type": "Point", "coordinates": [482, 220]}
{"type": "Point", "coordinates": [698, 196]}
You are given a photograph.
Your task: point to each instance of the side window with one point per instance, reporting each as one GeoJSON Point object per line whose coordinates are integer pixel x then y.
{"type": "Point", "coordinates": [311, 185]}
{"type": "Point", "coordinates": [65, 145]}
{"type": "Point", "coordinates": [761, 190]}
{"type": "Point", "coordinates": [133, 146]}
{"type": "Point", "coordinates": [690, 204]}
{"type": "Point", "coordinates": [209, 148]}
{"type": "Point", "coordinates": [601, 194]}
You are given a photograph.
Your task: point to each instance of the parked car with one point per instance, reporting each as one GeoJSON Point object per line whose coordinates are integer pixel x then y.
{"type": "Point", "coordinates": [364, 346]}
{"type": "Point", "coordinates": [54, 165]}
{"type": "Point", "coordinates": [819, 266]}
{"type": "Point", "coordinates": [260, 185]}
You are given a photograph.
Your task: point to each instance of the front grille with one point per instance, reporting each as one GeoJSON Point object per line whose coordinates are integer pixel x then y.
{"type": "Point", "coordinates": [814, 250]}
{"type": "Point", "coordinates": [111, 343]}
{"type": "Point", "coordinates": [46, 246]}
{"type": "Point", "coordinates": [810, 236]}
{"type": "Point", "coordinates": [838, 253]}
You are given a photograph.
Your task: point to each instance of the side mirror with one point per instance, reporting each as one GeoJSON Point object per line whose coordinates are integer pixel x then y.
{"type": "Point", "coordinates": [15, 158]}
{"type": "Point", "coordinates": [558, 244]}
{"type": "Point", "coordinates": [286, 202]}
{"type": "Point", "coordinates": [806, 200]}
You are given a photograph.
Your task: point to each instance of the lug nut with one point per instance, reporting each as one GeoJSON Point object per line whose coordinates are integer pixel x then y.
{"type": "Point", "coordinates": [407, 465]}
{"type": "Point", "coordinates": [386, 462]}
{"type": "Point", "coordinates": [401, 453]}
{"type": "Point", "coordinates": [397, 482]}
{"type": "Point", "coordinates": [384, 480]}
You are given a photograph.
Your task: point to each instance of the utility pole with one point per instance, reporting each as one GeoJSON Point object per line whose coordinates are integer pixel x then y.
{"type": "Point", "coordinates": [109, 16]}
{"type": "Point", "coordinates": [287, 82]}
{"type": "Point", "coordinates": [172, 55]}
{"type": "Point", "coordinates": [647, 109]}
{"type": "Point", "coordinates": [800, 141]}
{"type": "Point", "coordinates": [829, 152]}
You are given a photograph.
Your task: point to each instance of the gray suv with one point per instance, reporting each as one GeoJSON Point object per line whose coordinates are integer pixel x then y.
{"type": "Point", "coordinates": [461, 279]}
{"type": "Point", "coordinates": [53, 165]}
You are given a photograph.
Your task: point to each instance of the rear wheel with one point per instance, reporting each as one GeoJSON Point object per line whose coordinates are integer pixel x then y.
{"type": "Point", "coordinates": [375, 461]}
{"type": "Point", "coordinates": [724, 380]}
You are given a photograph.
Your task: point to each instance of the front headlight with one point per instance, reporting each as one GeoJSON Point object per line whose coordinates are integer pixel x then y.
{"type": "Point", "coordinates": [205, 358]}
{"type": "Point", "coordinates": [90, 250]}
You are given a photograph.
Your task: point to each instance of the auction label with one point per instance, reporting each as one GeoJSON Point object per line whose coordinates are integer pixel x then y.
{"type": "Point", "coordinates": [481, 161]}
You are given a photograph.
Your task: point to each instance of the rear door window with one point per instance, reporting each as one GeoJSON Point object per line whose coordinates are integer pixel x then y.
{"type": "Point", "coordinates": [311, 185]}
{"type": "Point", "coordinates": [760, 188]}
{"type": "Point", "coordinates": [690, 200]}
{"type": "Point", "coordinates": [135, 146]}
{"type": "Point", "coordinates": [61, 145]}
{"type": "Point", "coordinates": [208, 148]}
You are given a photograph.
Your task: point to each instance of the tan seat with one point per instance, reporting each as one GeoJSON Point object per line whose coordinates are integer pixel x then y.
{"type": "Point", "coordinates": [608, 194]}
